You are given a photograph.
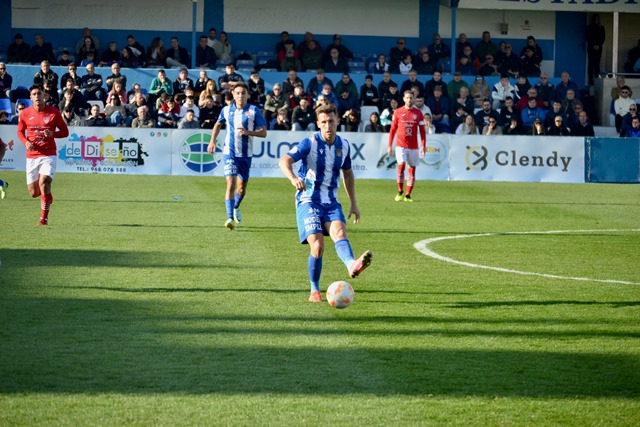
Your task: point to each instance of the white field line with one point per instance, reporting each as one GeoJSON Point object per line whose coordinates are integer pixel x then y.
{"type": "Point", "coordinates": [422, 246]}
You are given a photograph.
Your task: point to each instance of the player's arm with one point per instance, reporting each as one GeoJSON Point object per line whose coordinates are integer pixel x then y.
{"type": "Point", "coordinates": [423, 136]}
{"type": "Point", "coordinates": [349, 181]}
{"type": "Point", "coordinates": [61, 128]}
{"type": "Point", "coordinates": [214, 134]}
{"type": "Point", "coordinates": [392, 134]}
{"type": "Point", "coordinates": [22, 127]}
{"type": "Point", "coordinates": [261, 132]}
{"type": "Point", "coordinates": [286, 166]}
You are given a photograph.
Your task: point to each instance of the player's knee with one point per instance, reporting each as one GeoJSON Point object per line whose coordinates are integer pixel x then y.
{"type": "Point", "coordinates": [317, 249]}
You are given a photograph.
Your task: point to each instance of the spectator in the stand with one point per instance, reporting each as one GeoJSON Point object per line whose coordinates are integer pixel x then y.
{"type": "Point", "coordinates": [288, 45]}
{"type": "Point", "coordinates": [572, 115]}
{"type": "Point", "coordinates": [228, 80]}
{"type": "Point", "coordinates": [177, 56]}
{"type": "Point", "coordinates": [128, 59]}
{"type": "Point", "coordinates": [189, 121]}
{"type": "Point", "coordinates": [115, 112]}
{"type": "Point", "coordinates": [594, 36]}
{"type": "Point", "coordinates": [524, 101]}
{"type": "Point", "coordinates": [347, 83]}
{"type": "Point", "coordinates": [423, 63]}
{"type": "Point", "coordinates": [621, 106]}
{"type": "Point", "coordinates": [314, 87]}
{"type": "Point", "coordinates": [429, 128]}
{"type": "Point", "coordinates": [439, 51]}
{"type": "Point", "coordinates": [72, 98]}
{"type": "Point", "coordinates": [91, 87]}
{"type": "Point", "coordinates": [458, 115]}
{"type": "Point", "coordinates": [406, 65]}
{"type": "Point", "coordinates": [509, 62]}
{"type": "Point", "coordinates": [508, 112]}
{"type": "Point", "coordinates": [347, 101]}
{"type": "Point", "coordinates": [111, 55]}
{"type": "Point", "coordinates": [387, 115]}
{"type": "Point", "coordinates": [455, 85]}
{"type": "Point", "coordinates": [501, 91]}
{"type": "Point", "coordinates": [392, 93]}
{"type": "Point", "coordinates": [396, 54]}
{"type": "Point", "coordinates": [483, 116]}
{"type": "Point", "coordinates": [284, 38]}
{"type": "Point", "coordinates": [304, 44]}
{"type": "Point", "coordinates": [281, 122]}
{"type": "Point", "coordinates": [137, 51]}
{"type": "Point", "coordinates": [583, 127]}
{"type": "Point", "coordinates": [465, 67]}
{"type": "Point", "coordinates": [381, 66]}
{"type": "Point", "coordinates": [570, 102]}
{"type": "Point", "coordinates": [374, 124]}
{"type": "Point", "coordinates": [311, 56]}
{"type": "Point", "coordinates": [50, 94]}
{"type": "Point", "coordinates": [116, 75]}
{"type": "Point", "coordinates": [468, 127]}
{"type": "Point", "coordinates": [16, 117]}
{"type": "Point", "coordinates": [632, 59]}
{"type": "Point", "coordinates": [626, 120]}
{"type": "Point", "coordinates": [555, 111]}
{"type": "Point", "coordinates": [5, 81]}
{"type": "Point", "coordinates": [522, 86]}
{"type": "Point", "coordinates": [257, 92]}
{"type": "Point", "coordinates": [117, 91]}
{"type": "Point", "coordinates": [530, 63]}
{"type": "Point", "coordinates": [533, 44]}
{"type": "Point", "coordinates": [45, 74]}
{"type": "Point", "coordinates": [343, 51]}
{"type": "Point", "coordinates": [351, 120]}
{"type": "Point", "coordinates": [440, 108]}
{"type": "Point", "coordinates": [492, 128]}
{"type": "Point", "coordinates": [488, 67]}
{"type": "Point", "coordinates": [135, 88]}
{"type": "Point", "coordinates": [634, 131]}
{"type": "Point", "coordinates": [485, 46]}
{"type": "Point", "coordinates": [412, 81]}
{"type": "Point", "coordinates": [290, 83]}
{"type": "Point", "coordinates": [479, 91]}
{"type": "Point", "coordinates": [462, 42]}
{"type": "Point", "coordinates": [436, 80]}
{"type": "Point", "coordinates": [132, 109]}
{"type": "Point", "coordinates": [86, 32]}
{"type": "Point", "coordinates": [159, 84]}
{"type": "Point", "coordinates": [201, 83]}
{"type": "Point", "coordinates": [419, 105]}
{"type": "Point", "coordinates": [558, 126]}
{"type": "Point", "coordinates": [530, 114]}
{"type": "Point", "coordinates": [538, 129]}
{"type": "Point", "coordinates": [214, 43]}
{"type": "Point", "coordinates": [303, 117]}
{"type": "Point", "coordinates": [42, 51]}
{"type": "Point", "coordinates": [297, 96]}
{"type": "Point", "coordinates": [615, 91]}
{"type": "Point", "coordinates": [369, 93]}
{"type": "Point", "coordinates": [19, 52]}
{"type": "Point", "coordinates": [71, 118]}
{"type": "Point", "coordinates": [328, 94]}
{"type": "Point", "coordinates": [156, 54]}
{"type": "Point", "coordinates": [335, 64]}
{"type": "Point", "coordinates": [566, 84]}
{"type": "Point", "coordinates": [514, 128]}
{"type": "Point", "coordinates": [89, 59]}
{"type": "Point", "coordinates": [64, 59]}
{"type": "Point", "coordinates": [209, 113]}
{"type": "Point", "coordinates": [546, 91]}
{"type": "Point", "coordinates": [465, 99]}
{"type": "Point", "coordinates": [205, 55]}
{"type": "Point", "coordinates": [181, 83]}
{"type": "Point", "coordinates": [88, 47]}
{"type": "Point", "coordinates": [226, 53]}
{"type": "Point", "coordinates": [290, 62]}
{"type": "Point", "coordinates": [95, 118]}
{"type": "Point", "coordinates": [275, 101]}
{"type": "Point", "coordinates": [472, 58]}
{"type": "Point", "coordinates": [143, 120]}
{"type": "Point", "coordinates": [169, 114]}
{"type": "Point", "coordinates": [383, 86]}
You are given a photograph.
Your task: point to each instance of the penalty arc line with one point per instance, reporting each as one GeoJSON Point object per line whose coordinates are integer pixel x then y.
{"type": "Point", "coordinates": [422, 246]}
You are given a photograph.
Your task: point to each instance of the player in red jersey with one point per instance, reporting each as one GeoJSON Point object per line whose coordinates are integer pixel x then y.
{"type": "Point", "coordinates": [407, 121]}
{"type": "Point", "coordinates": [37, 128]}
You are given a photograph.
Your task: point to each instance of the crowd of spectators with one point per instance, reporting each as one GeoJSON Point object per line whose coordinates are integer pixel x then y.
{"type": "Point", "coordinates": [511, 106]}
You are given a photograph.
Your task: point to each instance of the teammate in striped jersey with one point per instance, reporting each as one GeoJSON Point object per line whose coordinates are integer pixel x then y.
{"type": "Point", "coordinates": [318, 212]}
{"type": "Point", "coordinates": [244, 121]}
{"type": "Point", "coordinates": [37, 127]}
{"type": "Point", "coordinates": [407, 122]}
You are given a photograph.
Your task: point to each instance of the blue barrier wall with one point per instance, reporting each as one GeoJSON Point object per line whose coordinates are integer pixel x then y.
{"type": "Point", "coordinates": [612, 160]}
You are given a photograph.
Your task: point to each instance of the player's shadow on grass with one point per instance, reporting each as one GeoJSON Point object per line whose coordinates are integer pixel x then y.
{"type": "Point", "coordinates": [493, 304]}
{"type": "Point", "coordinates": [58, 345]}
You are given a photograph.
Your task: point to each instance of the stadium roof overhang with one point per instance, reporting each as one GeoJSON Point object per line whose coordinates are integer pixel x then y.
{"type": "Point", "coordinates": [594, 6]}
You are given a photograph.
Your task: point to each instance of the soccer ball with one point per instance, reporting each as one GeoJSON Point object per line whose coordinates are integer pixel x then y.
{"type": "Point", "coordinates": [340, 294]}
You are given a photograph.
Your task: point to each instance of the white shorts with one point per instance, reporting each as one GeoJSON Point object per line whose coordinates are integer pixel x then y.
{"type": "Point", "coordinates": [408, 155]}
{"type": "Point", "coordinates": [41, 166]}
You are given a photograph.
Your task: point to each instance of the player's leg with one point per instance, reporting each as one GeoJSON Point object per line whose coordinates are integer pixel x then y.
{"type": "Point", "coordinates": [413, 157]}
{"type": "Point", "coordinates": [244, 166]}
{"type": "Point", "coordinates": [46, 198]}
{"type": "Point", "coordinates": [338, 233]}
{"type": "Point", "coordinates": [400, 158]}
{"type": "Point", "coordinates": [230, 173]}
{"type": "Point", "coordinates": [310, 231]}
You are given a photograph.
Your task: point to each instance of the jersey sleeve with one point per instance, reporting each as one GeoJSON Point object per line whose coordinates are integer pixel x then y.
{"type": "Point", "coordinates": [301, 150]}
{"type": "Point", "coordinates": [346, 148]}
{"type": "Point", "coordinates": [260, 120]}
{"type": "Point", "coordinates": [222, 118]}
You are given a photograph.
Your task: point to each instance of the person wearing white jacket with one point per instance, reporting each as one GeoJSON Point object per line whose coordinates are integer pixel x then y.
{"type": "Point", "coordinates": [501, 91]}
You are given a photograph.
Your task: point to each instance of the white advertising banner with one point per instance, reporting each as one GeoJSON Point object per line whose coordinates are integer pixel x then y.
{"type": "Point", "coordinates": [628, 6]}
{"type": "Point", "coordinates": [368, 155]}
{"type": "Point", "coordinates": [517, 159]}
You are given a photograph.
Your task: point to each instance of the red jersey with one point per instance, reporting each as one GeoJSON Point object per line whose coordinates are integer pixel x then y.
{"type": "Point", "coordinates": [35, 123]}
{"type": "Point", "coordinates": [406, 123]}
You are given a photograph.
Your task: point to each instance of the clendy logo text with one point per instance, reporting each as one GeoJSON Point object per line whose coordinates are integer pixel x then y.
{"type": "Point", "coordinates": [477, 159]}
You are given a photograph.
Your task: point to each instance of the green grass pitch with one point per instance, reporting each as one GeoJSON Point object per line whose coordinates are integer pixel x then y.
{"type": "Point", "coordinates": [135, 306]}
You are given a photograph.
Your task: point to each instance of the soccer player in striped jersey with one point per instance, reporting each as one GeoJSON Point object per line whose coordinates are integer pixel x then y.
{"type": "Point", "coordinates": [318, 212]}
{"type": "Point", "coordinates": [407, 122]}
{"type": "Point", "coordinates": [244, 121]}
{"type": "Point", "coordinates": [3, 184]}
{"type": "Point", "coordinates": [37, 127]}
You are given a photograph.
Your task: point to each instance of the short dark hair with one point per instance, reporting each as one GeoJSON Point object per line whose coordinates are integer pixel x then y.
{"type": "Point", "coordinates": [327, 108]}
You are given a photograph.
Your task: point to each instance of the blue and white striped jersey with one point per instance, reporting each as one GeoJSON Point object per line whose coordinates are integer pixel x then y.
{"type": "Point", "coordinates": [249, 118]}
{"type": "Point", "coordinates": [320, 168]}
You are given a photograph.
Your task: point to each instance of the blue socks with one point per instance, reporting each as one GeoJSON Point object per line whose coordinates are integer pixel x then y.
{"type": "Point", "coordinates": [238, 200]}
{"type": "Point", "coordinates": [229, 205]}
{"type": "Point", "coordinates": [343, 248]}
{"type": "Point", "coordinates": [314, 265]}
